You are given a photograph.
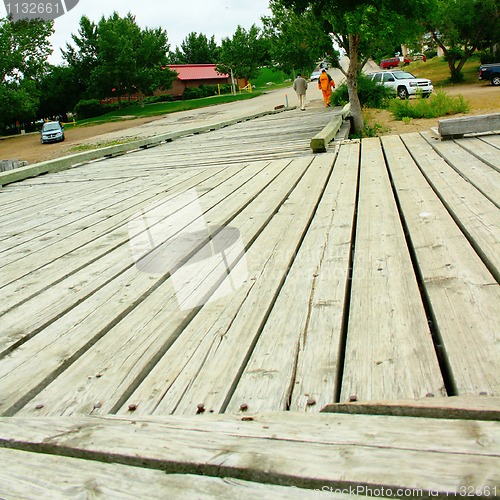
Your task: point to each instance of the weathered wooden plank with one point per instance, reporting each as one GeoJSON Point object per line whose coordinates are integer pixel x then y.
{"type": "Point", "coordinates": [191, 370]}
{"type": "Point", "coordinates": [35, 235]}
{"type": "Point", "coordinates": [456, 407]}
{"type": "Point", "coordinates": [484, 178]}
{"type": "Point", "coordinates": [47, 293]}
{"type": "Point", "coordinates": [479, 218]}
{"type": "Point", "coordinates": [116, 217]}
{"type": "Point", "coordinates": [324, 450]}
{"type": "Point", "coordinates": [463, 296]}
{"type": "Point", "coordinates": [493, 139]}
{"type": "Point", "coordinates": [34, 475]}
{"type": "Point", "coordinates": [316, 377]}
{"type": "Point", "coordinates": [457, 127]}
{"type": "Point", "coordinates": [481, 149]}
{"type": "Point", "coordinates": [216, 317]}
{"type": "Point", "coordinates": [232, 325]}
{"type": "Point", "coordinates": [69, 336]}
{"type": "Point", "coordinates": [233, 345]}
{"type": "Point", "coordinates": [298, 349]}
{"type": "Point", "coordinates": [389, 351]}
{"type": "Point", "coordinates": [158, 319]}
{"type": "Point", "coordinates": [109, 233]}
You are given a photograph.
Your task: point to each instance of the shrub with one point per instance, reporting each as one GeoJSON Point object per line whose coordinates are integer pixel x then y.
{"type": "Point", "coordinates": [89, 108]}
{"type": "Point", "coordinates": [154, 99]}
{"type": "Point", "coordinates": [370, 94]}
{"type": "Point", "coordinates": [92, 107]}
{"type": "Point", "coordinates": [439, 104]}
{"type": "Point", "coordinates": [489, 57]}
{"type": "Point", "coordinates": [205, 91]}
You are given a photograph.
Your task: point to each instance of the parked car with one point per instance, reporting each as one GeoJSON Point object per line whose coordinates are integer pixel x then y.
{"type": "Point", "coordinates": [490, 72]}
{"type": "Point", "coordinates": [52, 132]}
{"type": "Point", "coordinates": [404, 83]}
{"type": "Point", "coordinates": [394, 62]}
{"type": "Point", "coordinates": [315, 75]}
{"type": "Point", "coordinates": [419, 57]}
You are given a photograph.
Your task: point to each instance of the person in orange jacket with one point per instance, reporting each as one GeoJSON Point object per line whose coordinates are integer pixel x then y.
{"type": "Point", "coordinates": [326, 84]}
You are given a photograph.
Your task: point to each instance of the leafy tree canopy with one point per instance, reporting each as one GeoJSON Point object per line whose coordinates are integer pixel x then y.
{"type": "Point", "coordinates": [115, 57]}
{"type": "Point", "coordinates": [460, 27]}
{"type": "Point", "coordinates": [244, 53]}
{"type": "Point", "coordinates": [296, 41]}
{"type": "Point", "coordinates": [24, 49]}
{"type": "Point", "coordinates": [196, 49]}
{"type": "Point", "coordinates": [358, 26]}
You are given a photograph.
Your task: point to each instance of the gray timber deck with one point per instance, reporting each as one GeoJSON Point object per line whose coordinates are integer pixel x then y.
{"type": "Point", "coordinates": [233, 275]}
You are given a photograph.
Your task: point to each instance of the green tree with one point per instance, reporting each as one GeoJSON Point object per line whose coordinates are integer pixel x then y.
{"type": "Point", "coordinates": [117, 58]}
{"type": "Point", "coordinates": [82, 57]}
{"type": "Point", "coordinates": [296, 41]}
{"type": "Point", "coordinates": [355, 25]}
{"type": "Point", "coordinates": [24, 49]}
{"type": "Point", "coordinates": [460, 27]}
{"type": "Point", "coordinates": [57, 91]}
{"type": "Point", "coordinates": [196, 49]}
{"type": "Point", "coordinates": [243, 54]}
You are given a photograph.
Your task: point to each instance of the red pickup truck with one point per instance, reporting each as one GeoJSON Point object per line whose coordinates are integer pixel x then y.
{"type": "Point", "coordinates": [393, 62]}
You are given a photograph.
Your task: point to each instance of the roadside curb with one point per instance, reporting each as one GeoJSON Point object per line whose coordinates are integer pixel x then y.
{"type": "Point", "coordinates": [78, 159]}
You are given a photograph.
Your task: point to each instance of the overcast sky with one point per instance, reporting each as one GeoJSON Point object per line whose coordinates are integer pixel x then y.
{"type": "Point", "coordinates": [178, 18]}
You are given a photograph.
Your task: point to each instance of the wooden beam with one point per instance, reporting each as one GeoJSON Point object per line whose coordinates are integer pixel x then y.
{"type": "Point", "coordinates": [454, 128]}
{"type": "Point", "coordinates": [319, 143]}
{"type": "Point", "coordinates": [457, 407]}
{"type": "Point", "coordinates": [318, 451]}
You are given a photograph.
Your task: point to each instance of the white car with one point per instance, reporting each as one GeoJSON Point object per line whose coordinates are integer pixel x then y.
{"type": "Point", "coordinates": [315, 75]}
{"type": "Point", "coordinates": [404, 83]}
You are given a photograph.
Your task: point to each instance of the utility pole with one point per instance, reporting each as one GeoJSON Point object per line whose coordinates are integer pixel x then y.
{"type": "Point", "coordinates": [232, 81]}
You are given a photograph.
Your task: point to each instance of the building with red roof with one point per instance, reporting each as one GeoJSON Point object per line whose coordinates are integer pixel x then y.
{"type": "Point", "coordinates": [194, 75]}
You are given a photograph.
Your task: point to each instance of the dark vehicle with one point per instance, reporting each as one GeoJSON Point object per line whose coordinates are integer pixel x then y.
{"type": "Point", "coordinates": [52, 132]}
{"type": "Point", "coordinates": [393, 62]}
{"type": "Point", "coordinates": [490, 72]}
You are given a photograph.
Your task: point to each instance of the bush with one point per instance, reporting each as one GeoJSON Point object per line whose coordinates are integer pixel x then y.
{"type": "Point", "coordinates": [371, 94]}
{"type": "Point", "coordinates": [205, 91]}
{"type": "Point", "coordinates": [90, 109]}
{"type": "Point", "coordinates": [154, 99]}
{"type": "Point", "coordinates": [439, 104]}
{"type": "Point", "coordinates": [488, 57]}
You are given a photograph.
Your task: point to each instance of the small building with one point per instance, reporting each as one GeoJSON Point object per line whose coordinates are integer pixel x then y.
{"type": "Point", "coordinates": [194, 75]}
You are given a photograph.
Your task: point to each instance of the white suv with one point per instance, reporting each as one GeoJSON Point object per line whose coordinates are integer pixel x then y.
{"type": "Point", "coordinates": [404, 83]}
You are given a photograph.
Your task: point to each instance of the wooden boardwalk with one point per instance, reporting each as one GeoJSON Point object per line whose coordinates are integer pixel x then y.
{"type": "Point", "coordinates": [232, 274]}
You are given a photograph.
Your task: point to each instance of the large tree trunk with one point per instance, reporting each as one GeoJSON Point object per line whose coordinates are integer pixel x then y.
{"type": "Point", "coordinates": [352, 84]}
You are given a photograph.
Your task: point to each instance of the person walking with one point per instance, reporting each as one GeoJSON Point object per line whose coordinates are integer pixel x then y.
{"type": "Point", "coordinates": [300, 86]}
{"type": "Point", "coordinates": [326, 84]}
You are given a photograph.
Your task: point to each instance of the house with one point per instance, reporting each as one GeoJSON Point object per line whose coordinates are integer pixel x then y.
{"type": "Point", "coordinates": [194, 75]}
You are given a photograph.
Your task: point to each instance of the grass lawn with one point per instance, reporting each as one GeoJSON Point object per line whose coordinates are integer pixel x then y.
{"type": "Point", "coordinates": [436, 70]}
